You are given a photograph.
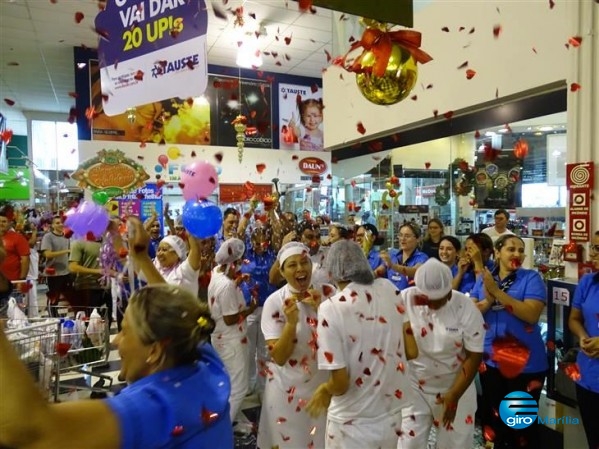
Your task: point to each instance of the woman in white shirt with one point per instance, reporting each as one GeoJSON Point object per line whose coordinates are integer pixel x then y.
{"type": "Point", "coordinates": [449, 331]}
{"type": "Point", "coordinates": [289, 320]}
{"type": "Point", "coordinates": [364, 342]}
{"type": "Point", "coordinates": [172, 265]}
{"type": "Point", "coordinates": [228, 310]}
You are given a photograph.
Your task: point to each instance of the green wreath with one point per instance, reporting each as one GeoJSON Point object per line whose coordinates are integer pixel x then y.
{"type": "Point", "coordinates": [442, 195]}
{"type": "Point", "coordinates": [464, 183]}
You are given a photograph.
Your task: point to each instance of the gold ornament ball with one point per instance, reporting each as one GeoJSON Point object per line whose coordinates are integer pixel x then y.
{"type": "Point", "coordinates": [397, 82]}
{"type": "Point", "coordinates": [388, 186]}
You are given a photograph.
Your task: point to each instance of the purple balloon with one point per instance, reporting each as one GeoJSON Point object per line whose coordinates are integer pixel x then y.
{"type": "Point", "coordinates": [88, 217]}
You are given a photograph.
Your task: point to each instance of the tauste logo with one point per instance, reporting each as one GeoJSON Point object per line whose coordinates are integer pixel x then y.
{"type": "Point", "coordinates": [518, 410]}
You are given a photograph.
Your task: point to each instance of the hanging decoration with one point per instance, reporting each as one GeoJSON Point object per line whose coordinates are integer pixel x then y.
{"type": "Point", "coordinates": [390, 185]}
{"type": "Point", "coordinates": [442, 194]}
{"type": "Point", "coordinates": [386, 70]}
{"type": "Point", "coordinates": [521, 148]}
{"type": "Point", "coordinates": [240, 125]}
{"type": "Point", "coordinates": [466, 174]}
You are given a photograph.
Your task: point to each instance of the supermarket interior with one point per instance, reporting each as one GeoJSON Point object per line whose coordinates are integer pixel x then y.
{"type": "Point", "coordinates": [464, 132]}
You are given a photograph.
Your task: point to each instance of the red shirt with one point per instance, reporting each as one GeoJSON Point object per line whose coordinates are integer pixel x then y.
{"type": "Point", "coordinates": [16, 246]}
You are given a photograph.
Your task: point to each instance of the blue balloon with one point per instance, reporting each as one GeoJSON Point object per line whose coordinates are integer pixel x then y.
{"type": "Point", "coordinates": [202, 218]}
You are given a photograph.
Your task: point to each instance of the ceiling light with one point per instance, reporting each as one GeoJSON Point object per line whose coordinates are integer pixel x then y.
{"type": "Point", "coordinates": [249, 55]}
{"type": "Point", "coordinates": [538, 133]}
{"type": "Point", "coordinates": [502, 130]}
{"type": "Point", "coordinates": [545, 128]}
{"type": "Point", "coordinates": [489, 133]}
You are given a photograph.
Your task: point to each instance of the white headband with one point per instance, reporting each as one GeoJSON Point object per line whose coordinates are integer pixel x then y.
{"type": "Point", "coordinates": [292, 249]}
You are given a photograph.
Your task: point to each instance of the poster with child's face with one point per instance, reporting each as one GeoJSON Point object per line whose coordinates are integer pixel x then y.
{"type": "Point", "coordinates": [300, 118]}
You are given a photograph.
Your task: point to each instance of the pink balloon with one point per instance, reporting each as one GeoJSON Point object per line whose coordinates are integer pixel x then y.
{"type": "Point", "coordinates": [199, 180]}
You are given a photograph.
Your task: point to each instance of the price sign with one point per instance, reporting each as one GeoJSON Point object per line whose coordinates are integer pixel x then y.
{"type": "Point", "coordinates": [560, 296]}
{"type": "Point", "coordinates": [151, 50]}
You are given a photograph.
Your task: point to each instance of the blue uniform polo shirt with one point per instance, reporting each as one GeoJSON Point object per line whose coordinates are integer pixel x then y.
{"type": "Point", "coordinates": [396, 256]}
{"type": "Point", "coordinates": [258, 267]}
{"type": "Point", "coordinates": [186, 407]}
{"type": "Point", "coordinates": [586, 299]}
{"type": "Point", "coordinates": [501, 323]}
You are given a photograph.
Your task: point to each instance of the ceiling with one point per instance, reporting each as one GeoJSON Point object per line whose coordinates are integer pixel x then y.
{"type": "Point", "coordinates": [37, 39]}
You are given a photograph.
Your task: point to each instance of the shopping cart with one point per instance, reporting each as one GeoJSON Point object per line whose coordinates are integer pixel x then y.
{"type": "Point", "coordinates": [36, 343]}
{"type": "Point", "coordinates": [85, 336]}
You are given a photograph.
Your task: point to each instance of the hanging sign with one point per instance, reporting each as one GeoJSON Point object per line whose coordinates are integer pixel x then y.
{"type": "Point", "coordinates": [151, 50]}
{"type": "Point", "coordinates": [580, 181]}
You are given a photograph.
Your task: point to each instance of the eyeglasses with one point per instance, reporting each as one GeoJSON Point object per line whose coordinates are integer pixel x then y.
{"type": "Point", "coordinates": [594, 248]}
{"type": "Point", "coordinates": [161, 249]}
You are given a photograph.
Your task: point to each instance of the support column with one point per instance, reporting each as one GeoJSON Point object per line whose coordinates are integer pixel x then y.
{"type": "Point", "coordinates": [583, 105]}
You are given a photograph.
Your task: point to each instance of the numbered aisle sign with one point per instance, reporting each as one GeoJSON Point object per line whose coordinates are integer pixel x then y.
{"type": "Point", "coordinates": [151, 50]}
{"type": "Point", "coordinates": [561, 296]}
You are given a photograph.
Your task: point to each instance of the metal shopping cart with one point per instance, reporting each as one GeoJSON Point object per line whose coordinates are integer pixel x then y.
{"type": "Point", "coordinates": [85, 336]}
{"type": "Point", "coordinates": [36, 343]}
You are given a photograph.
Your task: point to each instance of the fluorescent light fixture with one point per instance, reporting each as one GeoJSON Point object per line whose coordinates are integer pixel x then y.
{"type": "Point", "coordinates": [490, 133]}
{"type": "Point", "coordinates": [502, 130]}
{"type": "Point", "coordinates": [545, 128]}
{"type": "Point", "coordinates": [249, 55]}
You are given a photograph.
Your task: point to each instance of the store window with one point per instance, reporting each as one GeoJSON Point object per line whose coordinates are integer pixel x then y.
{"type": "Point", "coordinates": [54, 145]}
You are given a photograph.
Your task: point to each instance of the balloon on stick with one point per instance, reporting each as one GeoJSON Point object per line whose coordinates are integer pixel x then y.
{"type": "Point", "coordinates": [202, 218]}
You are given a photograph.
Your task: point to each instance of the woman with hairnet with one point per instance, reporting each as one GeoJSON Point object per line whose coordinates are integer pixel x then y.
{"type": "Point", "coordinates": [289, 319]}
{"type": "Point", "coordinates": [364, 342]}
{"type": "Point", "coordinates": [229, 311]}
{"type": "Point", "coordinates": [449, 331]}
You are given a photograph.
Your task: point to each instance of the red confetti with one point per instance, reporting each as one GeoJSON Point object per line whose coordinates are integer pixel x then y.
{"type": "Point", "coordinates": [574, 87]}
{"type": "Point", "coordinates": [472, 30]}
{"type": "Point", "coordinates": [551, 4]}
{"type": "Point", "coordinates": [328, 356]}
{"type": "Point", "coordinates": [427, 165]}
{"type": "Point", "coordinates": [448, 115]}
{"type": "Point", "coordinates": [400, 367]}
{"type": "Point", "coordinates": [398, 394]}
{"type": "Point", "coordinates": [139, 76]}
{"type": "Point", "coordinates": [260, 168]}
{"type": "Point", "coordinates": [469, 420]}
{"type": "Point", "coordinates": [79, 16]}
{"type": "Point", "coordinates": [218, 157]}
{"type": "Point", "coordinates": [360, 128]}
{"type": "Point", "coordinates": [208, 417]}
{"type": "Point", "coordinates": [288, 40]}
{"type": "Point", "coordinates": [575, 41]}
{"type": "Point", "coordinates": [423, 332]}
{"type": "Point", "coordinates": [470, 74]}
{"type": "Point", "coordinates": [9, 102]}
{"type": "Point", "coordinates": [445, 29]}
{"type": "Point", "coordinates": [534, 50]}
{"type": "Point", "coordinates": [496, 31]}
{"type": "Point", "coordinates": [534, 385]}
{"type": "Point", "coordinates": [359, 382]}
{"type": "Point", "coordinates": [463, 65]}
{"type": "Point", "coordinates": [414, 97]}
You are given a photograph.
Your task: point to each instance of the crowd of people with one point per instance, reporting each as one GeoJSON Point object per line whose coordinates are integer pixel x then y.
{"type": "Point", "coordinates": [346, 345]}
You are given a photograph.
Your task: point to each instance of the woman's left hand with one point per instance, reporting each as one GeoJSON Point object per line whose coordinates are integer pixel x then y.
{"type": "Point", "coordinates": [320, 401]}
{"type": "Point", "coordinates": [590, 346]}
{"type": "Point", "coordinates": [450, 406]}
{"type": "Point", "coordinates": [139, 239]}
{"type": "Point", "coordinates": [313, 298]}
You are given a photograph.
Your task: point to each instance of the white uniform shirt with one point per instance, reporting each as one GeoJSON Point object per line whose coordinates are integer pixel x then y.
{"type": "Point", "coordinates": [181, 274]}
{"type": "Point", "coordinates": [492, 232]}
{"type": "Point", "coordinates": [283, 419]}
{"type": "Point", "coordinates": [320, 274]}
{"type": "Point", "coordinates": [361, 329]}
{"type": "Point", "coordinates": [442, 336]}
{"type": "Point", "coordinates": [225, 298]}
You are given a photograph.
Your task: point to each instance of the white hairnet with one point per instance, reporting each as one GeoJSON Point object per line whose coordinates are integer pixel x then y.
{"type": "Point", "coordinates": [346, 262]}
{"type": "Point", "coordinates": [433, 279]}
{"type": "Point", "coordinates": [291, 249]}
{"type": "Point", "coordinates": [178, 245]}
{"type": "Point", "coordinates": [230, 251]}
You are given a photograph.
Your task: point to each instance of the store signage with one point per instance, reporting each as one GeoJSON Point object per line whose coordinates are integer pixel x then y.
{"type": "Point", "coordinates": [312, 166]}
{"type": "Point", "coordinates": [427, 191]}
{"type": "Point", "coordinates": [560, 296]}
{"type": "Point", "coordinates": [579, 182]}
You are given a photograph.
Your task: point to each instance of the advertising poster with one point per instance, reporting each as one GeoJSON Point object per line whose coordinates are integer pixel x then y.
{"type": "Point", "coordinates": [151, 50]}
{"type": "Point", "coordinates": [234, 96]}
{"type": "Point", "coordinates": [498, 182]}
{"type": "Point", "coordinates": [141, 202]}
{"type": "Point", "coordinates": [300, 118]}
